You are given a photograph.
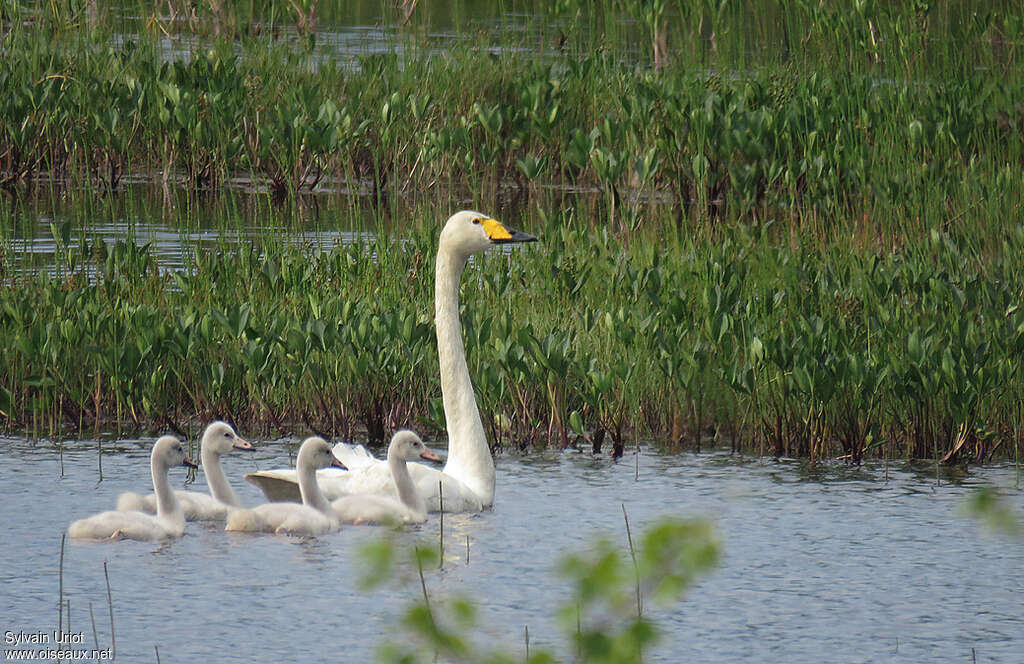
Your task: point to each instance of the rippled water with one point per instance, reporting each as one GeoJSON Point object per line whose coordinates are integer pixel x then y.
{"type": "Point", "coordinates": [837, 565]}
{"type": "Point", "coordinates": [171, 247]}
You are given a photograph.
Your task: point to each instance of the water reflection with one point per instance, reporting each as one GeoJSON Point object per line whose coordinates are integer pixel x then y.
{"type": "Point", "coordinates": [174, 249]}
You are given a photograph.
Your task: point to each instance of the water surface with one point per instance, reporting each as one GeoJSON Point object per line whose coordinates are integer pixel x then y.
{"type": "Point", "coordinates": [837, 565]}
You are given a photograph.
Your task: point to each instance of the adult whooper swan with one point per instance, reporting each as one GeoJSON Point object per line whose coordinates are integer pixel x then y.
{"type": "Point", "coordinates": [467, 480]}
{"type": "Point", "coordinates": [219, 438]}
{"type": "Point", "coordinates": [169, 520]}
{"type": "Point", "coordinates": [375, 508]}
{"type": "Point", "coordinates": [314, 516]}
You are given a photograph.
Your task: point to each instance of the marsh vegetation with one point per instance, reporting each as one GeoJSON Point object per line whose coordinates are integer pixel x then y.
{"type": "Point", "coordinates": [792, 229]}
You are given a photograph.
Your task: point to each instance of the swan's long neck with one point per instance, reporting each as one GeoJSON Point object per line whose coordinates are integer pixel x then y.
{"type": "Point", "coordinates": [310, 490]}
{"type": "Point", "coordinates": [407, 492]}
{"type": "Point", "coordinates": [216, 479]}
{"type": "Point", "coordinates": [469, 457]}
{"type": "Point", "coordinates": [167, 506]}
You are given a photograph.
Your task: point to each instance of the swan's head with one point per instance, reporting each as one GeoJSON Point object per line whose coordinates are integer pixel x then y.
{"type": "Point", "coordinates": [407, 445]}
{"type": "Point", "coordinates": [468, 232]}
{"type": "Point", "coordinates": [220, 437]}
{"type": "Point", "coordinates": [316, 453]}
{"type": "Point", "coordinates": [168, 451]}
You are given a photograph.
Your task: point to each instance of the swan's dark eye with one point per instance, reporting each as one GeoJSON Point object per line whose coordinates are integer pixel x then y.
{"type": "Point", "coordinates": [476, 221]}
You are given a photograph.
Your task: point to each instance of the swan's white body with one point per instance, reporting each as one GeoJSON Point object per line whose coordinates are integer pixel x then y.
{"type": "Point", "coordinates": [313, 517]}
{"type": "Point", "coordinates": [467, 481]}
{"type": "Point", "coordinates": [169, 520]}
{"type": "Point", "coordinates": [219, 438]}
{"type": "Point", "coordinates": [408, 507]}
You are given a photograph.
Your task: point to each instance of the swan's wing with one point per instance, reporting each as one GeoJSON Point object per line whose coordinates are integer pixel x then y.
{"type": "Point", "coordinates": [435, 484]}
{"type": "Point", "coordinates": [354, 456]}
{"type": "Point", "coordinates": [431, 483]}
{"type": "Point", "coordinates": [280, 485]}
{"type": "Point", "coordinates": [373, 478]}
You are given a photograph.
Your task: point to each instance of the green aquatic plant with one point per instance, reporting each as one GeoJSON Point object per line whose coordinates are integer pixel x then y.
{"type": "Point", "coordinates": [861, 135]}
{"type": "Point", "coordinates": [809, 352]}
{"type": "Point", "coordinates": [611, 614]}
{"type": "Point", "coordinates": [990, 508]}
{"type": "Point", "coordinates": [814, 256]}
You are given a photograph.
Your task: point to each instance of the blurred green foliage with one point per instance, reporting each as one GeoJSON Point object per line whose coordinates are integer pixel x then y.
{"type": "Point", "coordinates": [600, 621]}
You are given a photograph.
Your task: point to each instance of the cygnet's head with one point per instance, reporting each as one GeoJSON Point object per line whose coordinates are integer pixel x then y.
{"type": "Point", "coordinates": [316, 453]}
{"type": "Point", "coordinates": [468, 232]}
{"type": "Point", "coordinates": [407, 445]}
{"type": "Point", "coordinates": [168, 451]}
{"type": "Point", "coordinates": [220, 438]}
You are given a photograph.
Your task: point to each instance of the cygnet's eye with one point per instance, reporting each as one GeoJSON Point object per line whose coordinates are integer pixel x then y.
{"type": "Point", "coordinates": [477, 221]}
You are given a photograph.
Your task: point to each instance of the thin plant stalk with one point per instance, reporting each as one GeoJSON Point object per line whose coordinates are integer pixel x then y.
{"type": "Point", "coordinates": [95, 636]}
{"type": "Point", "coordinates": [636, 567]}
{"type": "Point", "coordinates": [636, 470]}
{"type": "Point", "coordinates": [1016, 455]}
{"type": "Point", "coordinates": [440, 529]}
{"type": "Point", "coordinates": [423, 585]}
{"type": "Point", "coordinates": [60, 586]}
{"type": "Point", "coordinates": [110, 608]}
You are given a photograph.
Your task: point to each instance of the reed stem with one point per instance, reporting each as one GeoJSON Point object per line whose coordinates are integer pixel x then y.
{"type": "Point", "coordinates": [440, 529]}
{"type": "Point", "coordinates": [636, 567]}
{"type": "Point", "coordinates": [95, 636]}
{"type": "Point", "coordinates": [423, 584]}
{"type": "Point", "coordinates": [110, 607]}
{"type": "Point", "coordinates": [60, 586]}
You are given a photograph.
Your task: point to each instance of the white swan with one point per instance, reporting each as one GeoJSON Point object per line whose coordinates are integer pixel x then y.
{"type": "Point", "coordinates": [169, 520]}
{"type": "Point", "coordinates": [467, 480]}
{"type": "Point", "coordinates": [375, 508]}
{"type": "Point", "coordinates": [218, 438]}
{"type": "Point", "coordinates": [313, 517]}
